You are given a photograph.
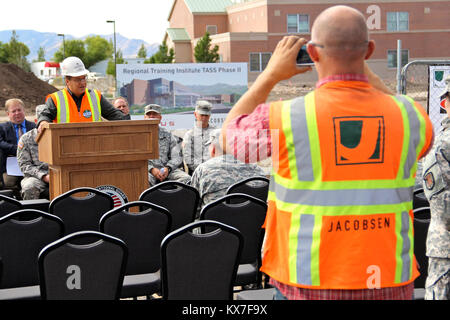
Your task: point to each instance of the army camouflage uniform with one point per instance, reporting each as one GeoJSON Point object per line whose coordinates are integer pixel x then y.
{"type": "Point", "coordinates": [436, 176]}
{"type": "Point", "coordinates": [33, 169]}
{"type": "Point", "coordinates": [213, 177]}
{"type": "Point", "coordinates": [195, 150]}
{"type": "Point", "coordinates": [169, 156]}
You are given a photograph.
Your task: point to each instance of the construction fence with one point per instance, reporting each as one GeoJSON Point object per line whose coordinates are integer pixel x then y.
{"type": "Point", "coordinates": [423, 80]}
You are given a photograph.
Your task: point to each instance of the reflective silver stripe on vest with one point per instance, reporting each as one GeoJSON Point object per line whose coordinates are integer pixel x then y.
{"type": "Point", "coordinates": [346, 197]}
{"type": "Point", "coordinates": [305, 239]}
{"type": "Point", "coordinates": [62, 107]}
{"type": "Point", "coordinates": [95, 106]}
{"type": "Point", "coordinates": [406, 261]}
{"type": "Point", "coordinates": [414, 136]}
{"type": "Point", "coordinates": [301, 140]}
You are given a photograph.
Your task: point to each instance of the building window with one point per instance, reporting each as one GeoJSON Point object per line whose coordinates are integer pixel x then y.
{"type": "Point", "coordinates": [397, 21]}
{"type": "Point", "coordinates": [212, 30]}
{"type": "Point", "coordinates": [392, 58]}
{"type": "Point", "coordinates": [298, 23]}
{"type": "Point", "coordinates": [259, 61]}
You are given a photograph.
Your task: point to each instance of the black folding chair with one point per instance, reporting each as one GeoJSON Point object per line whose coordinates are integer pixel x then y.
{"type": "Point", "coordinates": [23, 234]}
{"type": "Point", "coordinates": [419, 199]}
{"type": "Point", "coordinates": [257, 187]}
{"type": "Point", "coordinates": [93, 271]}
{"type": "Point", "coordinates": [420, 243]}
{"type": "Point", "coordinates": [200, 266]}
{"type": "Point", "coordinates": [8, 205]}
{"type": "Point", "coordinates": [180, 199]}
{"type": "Point", "coordinates": [81, 213]}
{"type": "Point", "coordinates": [143, 232]}
{"type": "Point", "coordinates": [247, 214]}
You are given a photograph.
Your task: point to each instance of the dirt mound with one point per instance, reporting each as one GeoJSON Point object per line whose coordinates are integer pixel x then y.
{"type": "Point", "coordinates": [16, 83]}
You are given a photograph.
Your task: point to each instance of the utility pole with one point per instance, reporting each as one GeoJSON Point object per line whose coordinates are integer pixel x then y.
{"type": "Point", "coordinates": [115, 55]}
{"type": "Point", "coordinates": [64, 44]}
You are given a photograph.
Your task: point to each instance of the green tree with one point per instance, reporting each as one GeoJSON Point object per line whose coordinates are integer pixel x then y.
{"type": "Point", "coordinates": [142, 53]}
{"type": "Point", "coordinates": [203, 52]}
{"type": "Point", "coordinates": [17, 52]}
{"type": "Point", "coordinates": [163, 55]}
{"type": "Point", "coordinates": [90, 51]}
{"type": "Point", "coordinates": [3, 53]}
{"type": "Point", "coordinates": [111, 68]}
{"type": "Point", "coordinates": [41, 55]}
{"type": "Point", "coordinates": [73, 48]}
{"type": "Point", "coordinates": [97, 49]}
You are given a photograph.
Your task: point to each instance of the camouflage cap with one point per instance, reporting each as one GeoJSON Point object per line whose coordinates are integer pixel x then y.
{"type": "Point", "coordinates": [447, 88]}
{"type": "Point", "coordinates": [152, 107]}
{"type": "Point", "coordinates": [213, 137]}
{"type": "Point", "coordinates": [203, 107]}
{"type": "Point", "coordinates": [39, 110]}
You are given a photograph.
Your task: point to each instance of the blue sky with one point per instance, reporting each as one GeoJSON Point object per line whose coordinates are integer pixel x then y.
{"type": "Point", "coordinates": [138, 19]}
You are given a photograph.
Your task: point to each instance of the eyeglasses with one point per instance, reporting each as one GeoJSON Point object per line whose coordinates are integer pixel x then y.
{"type": "Point", "coordinates": [323, 47]}
{"type": "Point", "coordinates": [78, 80]}
{"type": "Point", "coordinates": [315, 44]}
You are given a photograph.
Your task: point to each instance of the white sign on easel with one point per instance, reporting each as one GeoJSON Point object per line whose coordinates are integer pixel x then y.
{"type": "Point", "coordinates": [438, 74]}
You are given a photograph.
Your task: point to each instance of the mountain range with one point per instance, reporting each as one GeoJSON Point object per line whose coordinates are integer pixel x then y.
{"type": "Point", "coordinates": [51, 42]}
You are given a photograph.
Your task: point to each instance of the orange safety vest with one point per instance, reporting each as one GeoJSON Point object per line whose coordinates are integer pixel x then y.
{"type": "Point", "coordinates": [340, 197]}
{"type": "Point", "coordinates": [67, 110]}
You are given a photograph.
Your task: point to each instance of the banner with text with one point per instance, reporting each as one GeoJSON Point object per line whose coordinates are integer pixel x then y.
{"type": "Point", "coordinates": [177, 88]}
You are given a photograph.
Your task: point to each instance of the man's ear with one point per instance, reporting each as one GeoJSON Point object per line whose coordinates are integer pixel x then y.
{"type": "Point", "coordinates": [370, 49]}
{"type": "Point", "coordinates": [312, 51]}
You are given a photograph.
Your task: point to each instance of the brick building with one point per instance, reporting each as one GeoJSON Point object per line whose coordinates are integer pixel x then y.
{"type": "Point", "coordinates": [248, 30]}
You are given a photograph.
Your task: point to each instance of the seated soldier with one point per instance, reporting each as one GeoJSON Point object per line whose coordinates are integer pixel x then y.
{"type": "Point", "coordinates": [167, 166]}
{"type": "Point", "coordinates": [35, 173]}
{"type": "Point", "coordinates": [195, 151]}
{"type": "Point", "coordinates": [213, 177]}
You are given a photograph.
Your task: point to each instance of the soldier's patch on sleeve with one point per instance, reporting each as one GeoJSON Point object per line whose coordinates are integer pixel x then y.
{"type": "Point", "coordinates": [429, 180]}
{"type": "Point", "coordinates": [20, 145]}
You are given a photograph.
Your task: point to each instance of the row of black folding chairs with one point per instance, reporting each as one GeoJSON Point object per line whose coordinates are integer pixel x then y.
{"type": "Point", "coordinates": [84, 213]}
{"type": "Point", "coordinates": [142, 231]}
{"type": "Point", "coordinates": [94, 269]}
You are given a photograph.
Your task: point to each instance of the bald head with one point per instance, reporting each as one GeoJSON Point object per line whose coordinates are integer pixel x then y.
{"type": "Point", "coordinates": [342, 31]}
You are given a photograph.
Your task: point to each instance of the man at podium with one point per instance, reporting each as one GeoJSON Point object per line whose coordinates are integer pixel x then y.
{"type": "Point", "coordinates": [76, 103]}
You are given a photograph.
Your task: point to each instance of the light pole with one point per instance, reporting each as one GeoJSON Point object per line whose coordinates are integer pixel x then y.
{"type": "Point", "coordinates": [64, 44]}
{"type": "Point", "coordinates": [115, 55]}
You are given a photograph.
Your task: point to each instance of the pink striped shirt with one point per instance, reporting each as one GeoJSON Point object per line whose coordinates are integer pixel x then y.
{"type": "Point", "coordinates": [248, 135]}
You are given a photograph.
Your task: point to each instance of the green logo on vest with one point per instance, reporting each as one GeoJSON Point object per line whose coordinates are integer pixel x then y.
{"type": "Point", "coordinates": [359, 140]}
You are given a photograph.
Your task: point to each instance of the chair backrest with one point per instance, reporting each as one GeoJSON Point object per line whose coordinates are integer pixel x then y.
{"type": "Point", "coordinates": [423, 213]}
{"type": "Point", "coordinates": [245, 213]}
{"type": "Point", "coordinates": [93, 271]}
{"type": "Point", "coordinates": [21, 241]}
{"type": "Point", "coordinates": [81, 213]}
{"type": "Point", "coordinates": [142, 232]}
{"type": "Point", "coordinates": [8, 205]}
{"type": "Point", "coordinates": [257, 187]}
{"type": "Point", "coordinates": [200, 266]}
{"type": "Point", "coordinates": [180, 199]}
{"type": "Point", "coordinates": [419, 199]}
{"type": "Point", "coordinates": [420, 247]}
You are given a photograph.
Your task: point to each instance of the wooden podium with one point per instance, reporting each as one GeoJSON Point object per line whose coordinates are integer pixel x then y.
{"type": "Point", "coordinates": [99, 154]}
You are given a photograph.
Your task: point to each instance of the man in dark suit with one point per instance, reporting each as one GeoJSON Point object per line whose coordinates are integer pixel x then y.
{"type": "Point", "coordinates": [10, 132]}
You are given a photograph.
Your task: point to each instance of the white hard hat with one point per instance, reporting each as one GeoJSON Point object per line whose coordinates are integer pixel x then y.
{"type": "Point", "coordinates": [74, 67]}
